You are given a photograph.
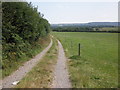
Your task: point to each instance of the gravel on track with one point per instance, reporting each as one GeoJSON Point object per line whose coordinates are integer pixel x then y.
{"type": "Point", "coordinates": [7, 82]}
{"type": "Point", "coordinates": [61, 76]}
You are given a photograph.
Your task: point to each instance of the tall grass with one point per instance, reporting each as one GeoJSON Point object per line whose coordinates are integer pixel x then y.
{"type": "Point", "coordinates": [97, 67]}
{"type": "Point", "coordinates": [11, 66]}
{"type": "Point", "coordinates": [41, 75]}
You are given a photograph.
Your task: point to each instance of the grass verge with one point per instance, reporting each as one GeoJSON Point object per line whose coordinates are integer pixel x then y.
{"type": "Point", "coordinates": [41, 75]}
{"type": "Point", "coordinates": [97, 67]}
{"type": "Point", "coordinates": [11, 66]}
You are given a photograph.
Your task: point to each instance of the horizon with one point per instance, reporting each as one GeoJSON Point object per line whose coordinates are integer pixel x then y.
{"type": "Point", "coordinates": [78, 12]}
{"type": "Point", "coordinates": [87, 22]}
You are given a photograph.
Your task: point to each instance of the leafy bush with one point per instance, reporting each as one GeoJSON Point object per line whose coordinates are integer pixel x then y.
{"type": "Point", "coordinates": [22, 26]}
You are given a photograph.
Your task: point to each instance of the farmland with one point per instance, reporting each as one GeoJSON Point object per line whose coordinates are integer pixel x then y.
{"type": "Point", "coordinates": [97, 66]}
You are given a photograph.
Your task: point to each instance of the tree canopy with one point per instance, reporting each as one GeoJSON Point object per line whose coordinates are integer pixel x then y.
{"type": "Point", "coordinates": [22, 26]}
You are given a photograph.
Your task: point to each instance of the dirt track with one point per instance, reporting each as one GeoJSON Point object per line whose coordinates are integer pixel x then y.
{"type": "Point", "coordinates": [61, 76]}
{"type": "Point", "coordinates": [23, 70]}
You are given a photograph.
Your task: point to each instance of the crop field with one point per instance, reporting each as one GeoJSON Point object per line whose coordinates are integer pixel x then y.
{"type": "Point", "coordinates": [108, 29]}
{"type": "Point", "coordinates": [97, 65]}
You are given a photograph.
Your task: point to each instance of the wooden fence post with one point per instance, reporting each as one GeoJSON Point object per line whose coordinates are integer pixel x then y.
{"type": "Point", "coordinates": [71, 44]}
{"type": "Point", "coordinates": [79, 49]}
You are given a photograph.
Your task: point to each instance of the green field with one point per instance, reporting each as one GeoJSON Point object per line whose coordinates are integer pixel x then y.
{"type": "Point", "coordinates": [97, 67]}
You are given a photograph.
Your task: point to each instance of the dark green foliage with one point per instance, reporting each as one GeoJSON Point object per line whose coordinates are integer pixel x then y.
{"type": "Point", "coordinates": [73, 28]}
{"type": "Point", "coordinates": [22, 26]}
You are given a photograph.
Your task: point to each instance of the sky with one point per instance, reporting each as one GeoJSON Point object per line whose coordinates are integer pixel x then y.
{"type": "Point", "coordinates": [78, 12]}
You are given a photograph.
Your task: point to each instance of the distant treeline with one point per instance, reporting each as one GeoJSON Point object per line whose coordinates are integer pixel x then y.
{"type": "Point", "coordinates": [22, 26]}
{"type": "Point", "coordinates": [71, 29]}
{"type": "Point", "coordinates": [85, 29]}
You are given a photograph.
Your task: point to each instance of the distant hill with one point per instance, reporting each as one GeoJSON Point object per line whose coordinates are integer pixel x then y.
{"type": "Point", "coordinates": [102, 24]}
{"type": "Point", "coordinates": [107, 24]}
{"type": "Point", "coordinates": [87, 27]}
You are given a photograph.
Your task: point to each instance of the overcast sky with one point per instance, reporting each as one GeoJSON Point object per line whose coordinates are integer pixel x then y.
{"type": "Point", "coordinates": [78, 12]}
